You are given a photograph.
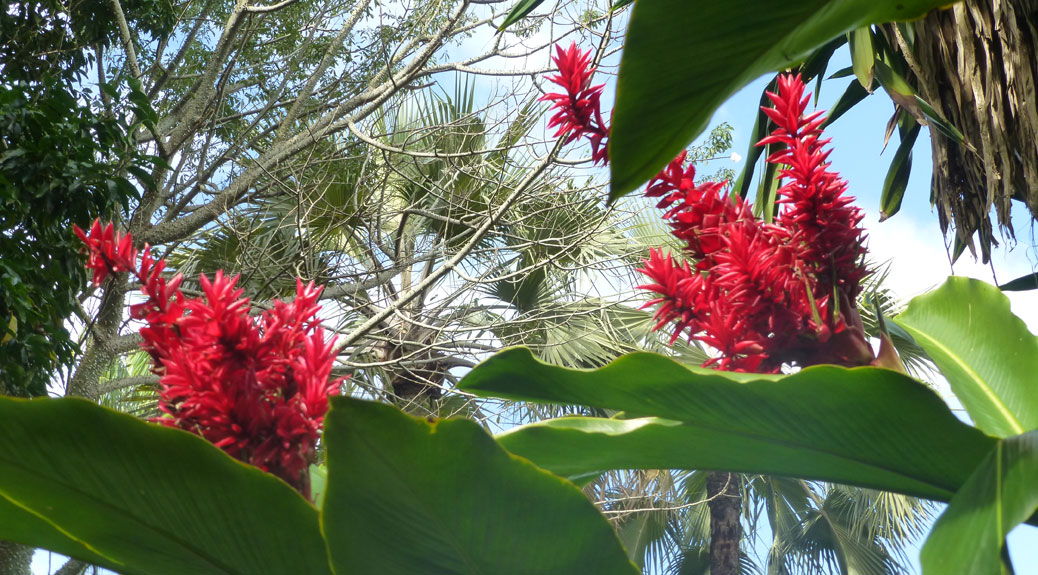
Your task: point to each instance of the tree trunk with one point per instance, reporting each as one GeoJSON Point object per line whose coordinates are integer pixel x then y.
{"type": "Point", "coordinates": [976, 64]}
{"type": "Point", "coordinates": [72, 567]}
{"type": "Point", "coordinates": [725, 502]}
{"type": "Point", "coordinates": [15, 559]}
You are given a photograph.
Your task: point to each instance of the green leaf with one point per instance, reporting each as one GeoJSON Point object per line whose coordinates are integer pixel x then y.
{"type": "Point", "coordinates": [936, 120]}
{"type": "Point", "coordinates": [987, 354]}
{"type": "Point", "coordinates": [767, 191]}
{"type": "Point", "coordinates": [1022, 283]}
{"type": "Point", "coordinates": [842, 73]}
{"type": "Point", "coordinates": [19, 525]}
{"type": "Point", "coordinates": [408, 496]}
{"type": "Point", "coordinates": [896, 182]}
{"type": "Point", "coordinates": [519, 11]}
{"type": "Point", "coordinates": [760, 129]}
{"type": "Point", "coordinates": [318, 481]}
{"type": "Point", "coordinates": [618, 4]}
{"type": "Point", "coordinates": [148, 498]}
{"type": "Point", "coordinates": [892, 82]}
{"type": "Point", "coordinates": [815, 65]}
{"type": "Point", "coordinates": [1002, 493]}
{"type": "Point", "coordinates": [863, 56]}
{"type": "Point", "coordinates": [683, 59]}
{"type": "Point", "coordinates": [864, 426]}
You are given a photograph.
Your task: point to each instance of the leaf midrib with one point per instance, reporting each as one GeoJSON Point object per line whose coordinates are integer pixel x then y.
{"type": "Point", "coordinates": [766, 440]}
{"type": "Point", "coordinates": [980, 383]}
{"type": "Point", "coordinates": [214, 562]}
{"type": "Point", "coordinates": [430, 513]}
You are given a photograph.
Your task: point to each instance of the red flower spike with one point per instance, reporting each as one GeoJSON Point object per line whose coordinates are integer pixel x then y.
{"type": "Point", "coordinates": [761, 294]}
{"type": "Point", "coordinates": [258, 389]}
{"type": "Point", "coordinates": [578, 110]}
{"type": "Point", "coordinates": [108, 251]}
{"type": "Point", "coordinates": [816, 210]}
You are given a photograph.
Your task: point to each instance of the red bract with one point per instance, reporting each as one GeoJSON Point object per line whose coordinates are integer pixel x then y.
{"type": "Point", "coordinates": [257, 388]}
{"type": "Point", "coordinates": [578, 109]}
{"type": "Point", "coordinates": [825, 225]}
{"type": "Point", "coordinates": [761, 294]}
{"type": "Point", "coordinates": [766, 295]}
{"type": "Point", "coordinates": [109, 251]}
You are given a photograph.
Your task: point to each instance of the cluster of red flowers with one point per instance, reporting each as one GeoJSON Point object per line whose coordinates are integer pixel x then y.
{"type": "Point", "coordinates": [578, 111]}
{"type": "Point", "coordinates": [761, 294]}
{"type": "Point", "coordinates": [258, 389]}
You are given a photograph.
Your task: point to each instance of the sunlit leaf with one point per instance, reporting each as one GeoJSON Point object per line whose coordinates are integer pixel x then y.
{"type": "Point", "coordinates": [407, 496]}
{"type": "Point", "coordinates": [683, 59]}
{"type": "Point", "coordinates": [866, 426]}
{"type": "Point", "coordinates": [1001, 494]}
{"type": "Point", "coordinates": [987, 354]}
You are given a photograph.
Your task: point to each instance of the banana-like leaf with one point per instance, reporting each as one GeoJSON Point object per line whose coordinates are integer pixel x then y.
{"type": "Point", "coordinates": [21, 525]}
{"type": "Point", "coordinates": [683, 59]}
{"type": "Point", "coordinates": [1001, 494]}
{"type": "Point", "coordinates": [987, 354]}
{"type": "Point", "coordinates": [145, 498]}
{"type": "Point", "coordinates": [866, 426]}
{"type": "Point", "coordinates": [406, 495]}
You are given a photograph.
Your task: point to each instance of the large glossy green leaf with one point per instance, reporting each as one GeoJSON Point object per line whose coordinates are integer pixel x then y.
{"type": "Point", "coordinates": [406, 496]}
{"type": "Point", "coordinates": [865, 426]}
{"type": "Point", "coordinates": [17, 524]}
{"type": "Point", "coordinates": [683, 58]}
{"type": "Point", "coordinates": [987, 354]}
{"type": "Point", "coordinates": [148, 498]}
{"type": "Point", "coordinates": [969, 535]}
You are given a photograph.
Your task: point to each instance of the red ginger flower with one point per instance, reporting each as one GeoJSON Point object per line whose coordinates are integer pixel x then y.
{"type": "Point", "coordinates": [760, 294]}
{"type": "Point", "coordinates": [763, 295]}
{"type": "Point", "coordinates": [578, 110]}
{"type": "Point", "coordinates": [826, 226]}
{"type": "Point", "coordinates": [258, 389]}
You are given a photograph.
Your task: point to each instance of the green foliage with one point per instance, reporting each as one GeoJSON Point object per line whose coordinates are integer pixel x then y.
{"type": "Point", "coordinates": [866, 426]}
{"type": "Point", "coordinates": [102, 486]}
{"type": "Point", "coordinates": [412, 496]}
{"type": "Point", "coordinates": [665, 98]}
{"type": "Point", "coordinates": [991, 370]}
{"type": "Point", "coordinates": [403, 495]}
{"type": "Point", "coordinates": [62, 161]}
{"type": "Point", "coordinates": [59, 165]}
{"type": "Point", "coordinates": [139, 498]}
{"type": "Point", "coordinates": [850, 414]}
{"type": "Point", "coordinates": [969, 537]}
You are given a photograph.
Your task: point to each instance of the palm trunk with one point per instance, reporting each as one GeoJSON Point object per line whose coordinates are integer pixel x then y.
{"type": "Point", "coordinates": [725, 502]}
{"type": "Point", "coordinates": [15, 559]}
